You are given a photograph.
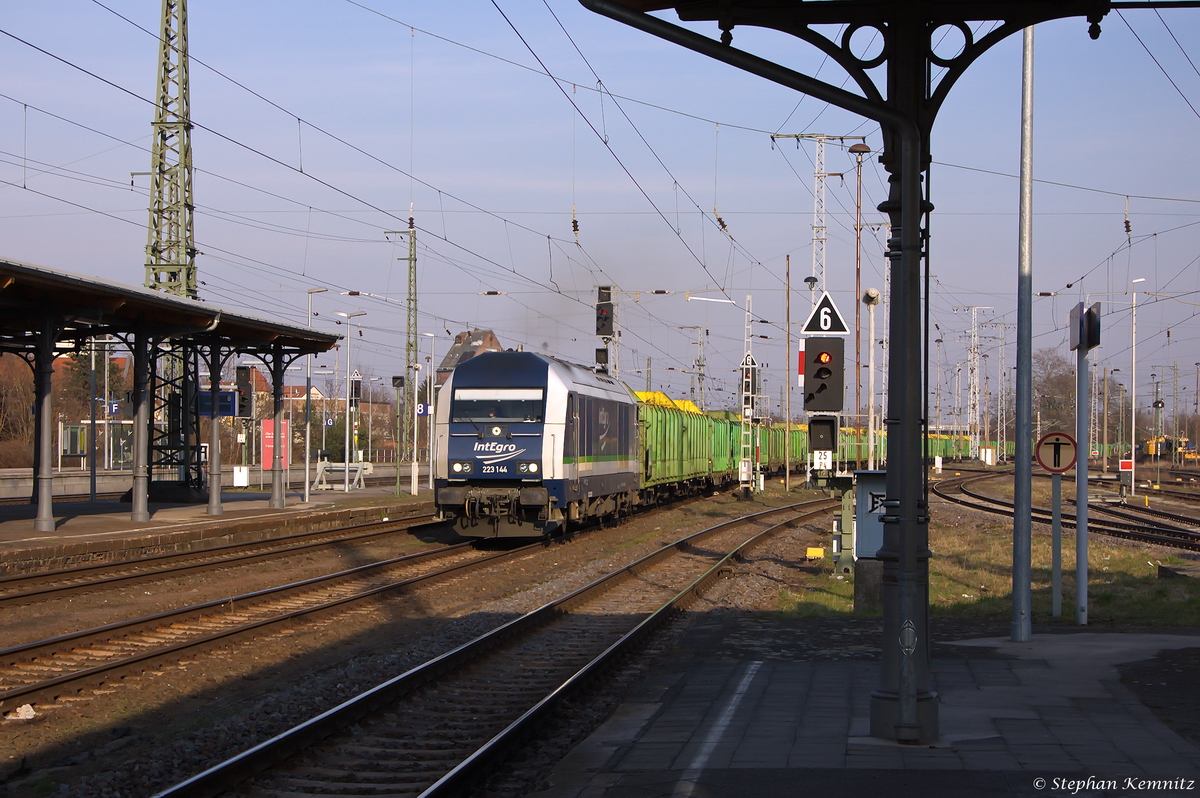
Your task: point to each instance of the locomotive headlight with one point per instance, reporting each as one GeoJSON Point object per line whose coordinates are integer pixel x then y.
{"type": "Point", "coordinates": [462, 467]}
{"type": "Point", "coordinates": [456, 468]}
{"type": "Point", "coordinates": [533, 467]}
{"type": "Point", "coordinates": [527, 468]}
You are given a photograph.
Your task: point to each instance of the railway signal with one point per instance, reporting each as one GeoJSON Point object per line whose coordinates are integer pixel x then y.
{"type": "Point", "coordinates": [824, 374]}
{"type": "Point", "coordinates": [823, 434]}
{"type": "Point", "coordinates": [245, 393]}
{"type": "Point", "coordinates": [604, 311]}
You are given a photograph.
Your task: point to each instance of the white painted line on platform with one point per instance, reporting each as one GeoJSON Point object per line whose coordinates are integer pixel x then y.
{"type": "Point", "coordinates": [687, 781]}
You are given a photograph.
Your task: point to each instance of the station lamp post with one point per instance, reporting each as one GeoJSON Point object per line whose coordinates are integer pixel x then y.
{"type": "Point", "coordinates": [1133, 394]}
{"type": "Point", "coordinates": [349, 337]}
{"type": "Point", "coordinates": [429, 406]}
{"type": "Point", "coordinates": [308, 401]}
{"type": "Point", "coordinates": [1108, 377]}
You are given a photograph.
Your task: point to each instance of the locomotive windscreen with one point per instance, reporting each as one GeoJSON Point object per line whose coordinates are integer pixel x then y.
{"type": "Point", "coordinates": [508, 405]}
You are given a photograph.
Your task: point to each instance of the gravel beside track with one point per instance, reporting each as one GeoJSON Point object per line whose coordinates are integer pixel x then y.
{"type": "Point", "coordinates": [143, 735]}
{"type": "Point", "coordinates": [41, 586]}
{"type": "Point", "coordinates": [419, 729]}
{"type": "Point", "coordinates": [130, 744]}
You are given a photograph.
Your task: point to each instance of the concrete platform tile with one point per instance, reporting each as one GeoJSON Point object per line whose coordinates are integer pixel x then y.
{"type": "Point", "coordinates": [650, 756]}
{"type": "Point", "coordinates": [933, 763]}
{"type": "Point", "coordinates": [656, 735]}
{"type": "Point", "coordinates": [778, 761]}
{"type": "Point", "coordinates": [1062, 713]}
{"type": "Point", "coordinates": [979, 744]}
{"type": "Point", "coordinates": [1094, 750]}
{"type": "Point", "coordinates": [1021, 725]}
{"type": "Point", "coordinates": [1164, 765]}
{"type": "Point", "coordinates": [831, 757]}
{"type": "Point", "coordinates": [594, 787]}
{"type": "Point", "coordinates": [819, 731]}
{"type": "Point", "coordinates": [1080, 734]}
{"type": "Point", "coordinates": [873, 763]}
{"type": "Point", "coordinates": [989, 760]}
{"type": "Point", "coordinates": [1058, 760]}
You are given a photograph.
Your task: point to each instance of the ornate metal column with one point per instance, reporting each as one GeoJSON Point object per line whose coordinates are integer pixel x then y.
{"type": "Point", "coordinates": [142, 365]}
{"type": "Point", "coordinates": [216, 361]}
{"type": "Point", "coordinates": [43, 370]}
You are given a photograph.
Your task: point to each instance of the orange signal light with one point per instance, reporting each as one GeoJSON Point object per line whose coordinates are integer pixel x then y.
{"type": "Point", "coordinates": [824, 357]}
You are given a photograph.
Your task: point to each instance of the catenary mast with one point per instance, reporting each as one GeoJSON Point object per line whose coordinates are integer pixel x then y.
{"type": "Point", "coordinates": [171, 267]}
{"type": "Point", "coordinates": [170, 246]}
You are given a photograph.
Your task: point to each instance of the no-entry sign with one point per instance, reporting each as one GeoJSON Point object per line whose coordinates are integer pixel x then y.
{"type": "Point", "coordinates": [1055, 452]}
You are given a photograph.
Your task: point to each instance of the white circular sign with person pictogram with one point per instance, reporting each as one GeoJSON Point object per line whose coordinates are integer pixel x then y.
{"type": "Point", "coordinates": [1055, 452]}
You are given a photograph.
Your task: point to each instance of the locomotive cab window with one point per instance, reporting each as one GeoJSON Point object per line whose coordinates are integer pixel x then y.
{"type": "Point", "coordinates": [509, 406]}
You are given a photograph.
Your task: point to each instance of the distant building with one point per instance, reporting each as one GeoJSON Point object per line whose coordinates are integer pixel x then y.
{"type": "Point", "coordinates": [466, 346]}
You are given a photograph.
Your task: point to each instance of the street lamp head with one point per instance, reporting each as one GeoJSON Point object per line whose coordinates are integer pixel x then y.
{"type": "Point", "coordinates": [871, 296]}
{"type": "Point", "coordinates": [1139, 280]}
{"type": "Point", "coordinates": [812, 282]}
{"type": "Point", "coordinates": [349, 316]}
{"type": "Point", "coordinates": [860, 149]}
{"type": "Point", "coordinates": [317, 290]}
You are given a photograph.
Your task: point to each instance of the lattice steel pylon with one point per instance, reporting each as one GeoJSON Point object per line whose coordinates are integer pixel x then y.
{"type": "Point", "coordinates": [818, 226]}
{"type": "Point", "coordinates": [750, 385]}
{"type": "Point", "coordinates": [171, 266]}
{"type": "Point", "coordinates": [170, 246]}
{"type": "Point", "coordinates": [974, 419]}
{"type": "Point", "coordinates": [819, 174]}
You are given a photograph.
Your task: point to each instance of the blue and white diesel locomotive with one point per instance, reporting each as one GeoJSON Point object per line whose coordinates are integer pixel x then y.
{"type": "Point", "coordinates": [526, 443]}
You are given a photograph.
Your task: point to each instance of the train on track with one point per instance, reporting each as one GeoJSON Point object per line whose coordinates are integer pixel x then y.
{"type": "Point", "coordinates": [528, 445]}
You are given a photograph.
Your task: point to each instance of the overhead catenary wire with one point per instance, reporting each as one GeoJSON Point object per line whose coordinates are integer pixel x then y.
{"type": "Point", "coordinates": [611, 151]}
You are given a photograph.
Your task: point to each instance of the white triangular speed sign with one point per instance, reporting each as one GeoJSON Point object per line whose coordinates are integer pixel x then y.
{"type": "Point", "coordinates": [825, 319]}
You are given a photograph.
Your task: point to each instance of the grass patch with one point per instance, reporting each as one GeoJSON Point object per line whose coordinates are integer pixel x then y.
{"type": "Point", "coordinates": [826, 594]}
{"type": "Point", "coordinates": [970, 576]}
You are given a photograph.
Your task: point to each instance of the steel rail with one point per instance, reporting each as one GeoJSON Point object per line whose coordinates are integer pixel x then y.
{"type": "Point", "coordinates": [256, 759]}
{"type": "Point", "coordinates": [480, 763]}
{"type": "Point", "coordinates": [39, 651]}
{"type": "Point", "coordinates": [225, 555]}
{"type": "Point", "coordinates": [1159, 536]}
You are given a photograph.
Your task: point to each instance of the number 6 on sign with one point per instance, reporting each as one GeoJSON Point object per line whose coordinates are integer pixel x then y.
{"type": "Point", "coordinates": [825, 319]}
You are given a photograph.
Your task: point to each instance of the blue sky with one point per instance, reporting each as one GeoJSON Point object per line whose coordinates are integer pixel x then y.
{"type": "Point", "coordinates": [443, 105]}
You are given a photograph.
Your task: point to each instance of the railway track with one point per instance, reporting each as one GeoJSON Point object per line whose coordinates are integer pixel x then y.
{"type": "Point", "coordinates": [440, 727]}
{"type": "Point", "coordinates": [27, 588]}
{"type": "Point", "coordinates": [1136, 514]}
{"type": "Point", "coordinates": [1138, 531]}
{"type": "Point", "coordinates": [64, 667]}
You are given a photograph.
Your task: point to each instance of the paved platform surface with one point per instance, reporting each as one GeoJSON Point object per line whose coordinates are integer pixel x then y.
{"type": "Point", "coordinates": [1049, 717]}
{"type": "Point", "coordinates": [84, 528]}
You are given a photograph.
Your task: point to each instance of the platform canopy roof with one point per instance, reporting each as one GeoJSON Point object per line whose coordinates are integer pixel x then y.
{"type": "Point", "coordinates": [79, 307]}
